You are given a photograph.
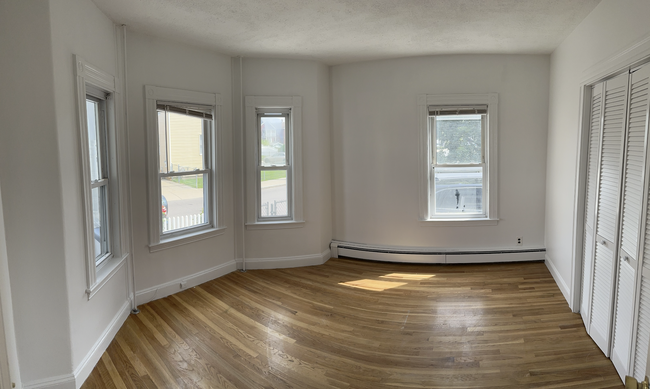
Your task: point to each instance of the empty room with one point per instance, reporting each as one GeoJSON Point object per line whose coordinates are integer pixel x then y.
{"type": "Point", "coordinates": [324, 194]}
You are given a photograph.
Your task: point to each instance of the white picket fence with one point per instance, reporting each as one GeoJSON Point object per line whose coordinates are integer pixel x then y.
{"type": "Point", "coordinates": [178, 222]}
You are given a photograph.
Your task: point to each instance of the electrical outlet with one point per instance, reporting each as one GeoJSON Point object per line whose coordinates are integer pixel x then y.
{"type": "Point", "coordinates": [183, 283]}
{"type": "Point", "coordinates": [520, 241]}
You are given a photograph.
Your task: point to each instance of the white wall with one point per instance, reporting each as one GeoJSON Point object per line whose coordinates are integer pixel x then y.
{"type": "Point", "coordinates": [9, 371]}
{"type": "Point", "coordinates": [609, 29]}
{"type": "Point", "coordinates": [274, 77]}
{"type": "Point", "coordinates": [31, 193]}
{"type": "Point", "coordinates": [376, 140]}
{"type": "Point", "coordinates": [79, 27]}
{"type": "Point", "coordinates": [152, 61]}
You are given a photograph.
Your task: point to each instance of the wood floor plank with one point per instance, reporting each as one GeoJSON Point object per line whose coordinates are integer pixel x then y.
{"type": "Point", "coordinates": [360, 324]}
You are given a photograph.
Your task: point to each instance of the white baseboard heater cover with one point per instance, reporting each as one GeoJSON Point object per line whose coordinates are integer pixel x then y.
{"type": "Point", "coordinates": [433, 255]}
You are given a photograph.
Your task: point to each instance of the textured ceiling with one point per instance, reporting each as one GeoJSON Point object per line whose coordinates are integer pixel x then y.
{"type": "Point", "coordinates": [342, 31]}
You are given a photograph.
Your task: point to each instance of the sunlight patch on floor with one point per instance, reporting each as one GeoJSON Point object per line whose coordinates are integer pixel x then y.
{"type": "Point", "coordinates": [373, 285]}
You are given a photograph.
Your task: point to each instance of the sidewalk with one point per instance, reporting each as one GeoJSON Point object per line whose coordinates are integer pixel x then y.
{"type": "Point", "coordinates": [176, 191]}
{"type": "Point", "coordinates": [274, 183]}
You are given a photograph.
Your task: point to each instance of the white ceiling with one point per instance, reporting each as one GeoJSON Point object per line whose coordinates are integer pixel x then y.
{"type": "Point", "coordinates": [342, 31]}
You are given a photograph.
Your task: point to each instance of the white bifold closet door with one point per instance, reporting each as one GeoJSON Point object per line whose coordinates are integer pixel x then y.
{"type": "Point", "coordinates": [614, 105]}
{"type": "Point", "coordinates": [634, 197]}
{"type": "Point", "coordinates": [590, 200]}
{"type": "Point", "coordinates": [639, 341]}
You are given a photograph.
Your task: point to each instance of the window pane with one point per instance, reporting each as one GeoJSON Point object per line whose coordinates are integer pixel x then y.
{"type": "Point", "coordinates": [183, 150]}
{"type": "Point", "coordinates": [458, 190]}
{"type": "Point", "coordinates": [458, 139]}
{"type": "Point", "coordinates": [274, 193]}
{"type": "Point", "coordinates": [92, 116]}
{"type": "Point", "coordinates": [100, 232]}
{"type": "Point", "coordinates": [273, 140]}
{"type": "Point", "coordinates": [183, 202]}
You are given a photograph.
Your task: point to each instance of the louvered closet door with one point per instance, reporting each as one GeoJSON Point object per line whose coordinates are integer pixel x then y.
{"type": "Point", "coordinates": [590, 201]}
{"type": "Point", "coordinates": [631, 220]}
{"type": "Point", "coordinates": [638, 123]}
{"type": "Point", "coordinates": [607, 211]}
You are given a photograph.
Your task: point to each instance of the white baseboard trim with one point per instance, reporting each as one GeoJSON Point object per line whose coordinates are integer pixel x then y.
{"type": "Point", "coordinates": [432, 254]}
{"type": "Point", "coordinates": [66, 381]}
{"type": "Point", "coordinates": [86, 366]}
{"type": "Point", "coordinates": [171, 287]}
{"type": "Point", "coordinates": [326, 255]}
{"type": "Point", "coordinates": [564, 288]}
{"type": "Point", "coordinates": [286, 262]}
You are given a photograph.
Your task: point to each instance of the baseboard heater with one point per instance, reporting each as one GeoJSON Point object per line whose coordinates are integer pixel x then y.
{"type": "Point", "coordinates": [433, 255]}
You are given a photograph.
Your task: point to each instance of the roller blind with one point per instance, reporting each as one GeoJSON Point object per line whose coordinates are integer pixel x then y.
{"type": "Point", "coordinates": [195, 111]}
{"type": "Point", "coordinates": [437, 110]}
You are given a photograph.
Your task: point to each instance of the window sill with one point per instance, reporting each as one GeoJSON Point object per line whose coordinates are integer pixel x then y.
{"type": "Point", "coordinates": [275, 225]}
{"type": "Point", "coordinates": [458, 222]}
{"type": "Point", "coordinates": [105, 273]}
{"type": "Point", "coordinates": [165, 244]}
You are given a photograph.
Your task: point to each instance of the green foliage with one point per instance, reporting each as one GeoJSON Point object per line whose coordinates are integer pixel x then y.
{"type": "Point", "coordinates": [458, 141]}
{"type": "Point", "coordinates": [273, 174]}
{"type": "Point", "coordinates": [191, 181]}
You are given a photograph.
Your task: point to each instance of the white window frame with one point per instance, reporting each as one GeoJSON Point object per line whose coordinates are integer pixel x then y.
{"type": "Point", "coordinates": [293, 150]}
{"type": "Point", "coordinates": [490, 182]}
{"type": "Point", "coordinates": [92, 81]}
{"type": "Point", "coordinates": [157, 240]}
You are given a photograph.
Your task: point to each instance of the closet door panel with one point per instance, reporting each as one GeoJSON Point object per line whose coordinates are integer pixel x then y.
{"type": "Point", "coordinates": [587, 271]}
{"type": "Point", "coordinates": [631, 221]}
{"type": "Point", "coordinates": [642, 328]}
{"type": "Point", "coordinates": [590, 201]}
{"type": "Point", "coordinates": [638, 128]}
{"type": "Point", "coordinates": [601, 304]}
{"type": "Point", "coordinates": [624, 314]}
{"type": "Point", "coordinates": [634, 173]}
{"type": "Point", "coordinates": [607, 211]}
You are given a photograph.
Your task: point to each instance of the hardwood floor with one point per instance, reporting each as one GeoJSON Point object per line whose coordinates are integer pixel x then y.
{"type": "Point", "coordinates": [359, 324]}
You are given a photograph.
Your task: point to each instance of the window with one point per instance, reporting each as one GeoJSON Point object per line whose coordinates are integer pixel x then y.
{"type": "Point", "coordinates": [183, 189]}
{"type": "Point", "coordinates": [184, 171]}
{"type": "Point", "coordinates": [99, 177]}
{"type": "Point", "coordinates": [101, 142]}
{"type": "Point", "coordinates": [273, 164]}
{"type": "Point", "coordinates": [273, 176]}
{"type": "Point", "coordinates": [459, 150]}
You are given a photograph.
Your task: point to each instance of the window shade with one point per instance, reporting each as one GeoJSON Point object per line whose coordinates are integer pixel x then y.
{"type": "Point", "coordinates": [456, 110]}
{"type": "Point", "coordinates": [201, 112]}
{"type": "Point", "coordinates": [271, 111]}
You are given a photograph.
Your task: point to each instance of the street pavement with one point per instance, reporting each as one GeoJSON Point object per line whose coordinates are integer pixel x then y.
{"type": "Point", "coordinates": [184, 200]}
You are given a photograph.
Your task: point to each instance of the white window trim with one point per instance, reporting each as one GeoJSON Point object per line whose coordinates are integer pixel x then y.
{"type": "Point", "coordinates": [252, 195]}
{"type": "Point", "coordinates": [91, 76]}
{"type": "Point", "coordinates": [152, 95]}
{"type": "Point", "coordinates": [491, 153]}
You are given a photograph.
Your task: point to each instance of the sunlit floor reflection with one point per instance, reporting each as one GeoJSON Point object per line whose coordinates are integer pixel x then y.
{"type": "Point", "coordinates": [407, 276]}
{"type": "Point", "coordinates": [374, 285]}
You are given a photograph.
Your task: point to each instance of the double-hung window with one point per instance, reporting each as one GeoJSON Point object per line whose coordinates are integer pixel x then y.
{"type": "Point", "coordinates": [96, 128]}
{"type": "Point", "coordinates": [102, 148]}
{"type": "Point", "coordinates": [184, 169]}
{"type": "Point", "coordinates": [273, 162]}
{"type": "Point", "coordinates": [458, 150]}
{"type": "Point", "coordinates": [182, 138]}
{"type": "Point", "coordinates": [458, 161]}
